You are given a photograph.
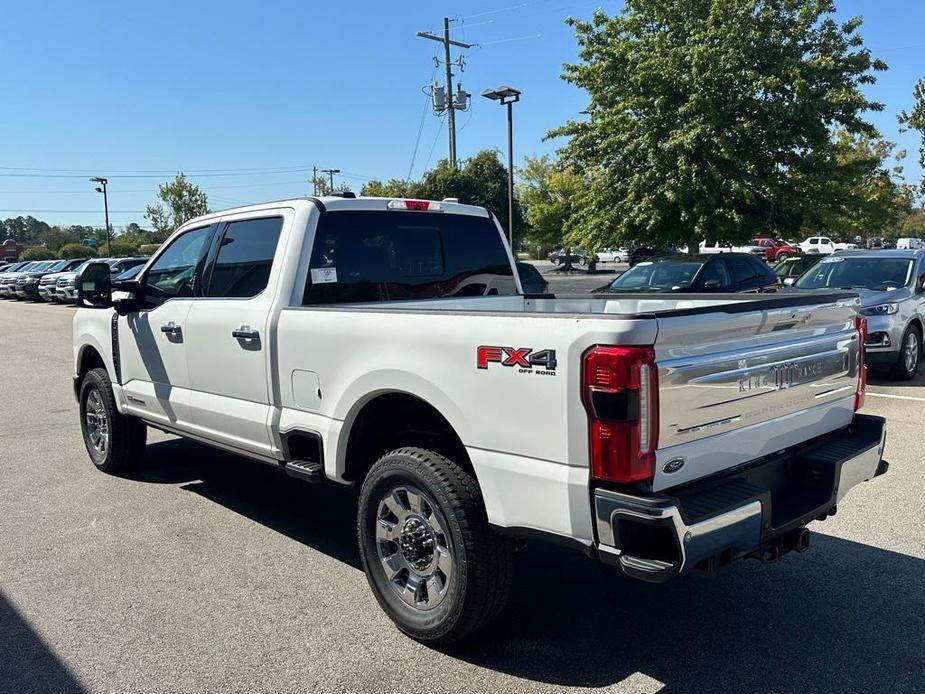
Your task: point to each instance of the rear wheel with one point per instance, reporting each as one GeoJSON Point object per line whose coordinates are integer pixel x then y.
{"type": "Point", "coordinates": [432, 561]}
{"type": "Point", "coordinates": [115, 442]}
{"type": "Point", "coordinates": [910, 353]}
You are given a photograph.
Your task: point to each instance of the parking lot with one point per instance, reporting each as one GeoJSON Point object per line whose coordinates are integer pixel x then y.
{"type": "Point", "coordinates": [206, 572]}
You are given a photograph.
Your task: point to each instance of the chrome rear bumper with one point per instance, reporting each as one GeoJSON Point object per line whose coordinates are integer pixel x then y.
{"type": "Point", "coordinates": [758, 510]}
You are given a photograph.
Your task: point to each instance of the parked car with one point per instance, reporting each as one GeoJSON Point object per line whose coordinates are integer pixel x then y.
{"type": "Point", "coordinates": [531, 280]}
{"type": "Point", "coordinates": [713, 247]}
{"type": "Point", "coordinates": [823, 245]}
{"type": "Point", "coordinates": [48, 280]}
{"type": "Point", "coordinates": [8, 279]}
{"type": "Point", "coordinates": [909, 244]}
{"type": "Point", "coordinates": [789, 269]}
{"type": "Point", "coordinates": [608, 255]}
{"type": "Point", "coordinates": [578, 256]}
{"type": "Point", "coordinates": [891, 285]}
{"type": "Point", "coordinates": [9, 271]}
{"type": "Point", "coordinates": [326, 338]}
{"type": "Point", "coordinates": [27, 283]}
{"type": "Point", "coordinates": [721, 272]}
{"type": "Point", "coordinates": [65, 290]}
{"type": "Point", "coordinates": [776, 250]}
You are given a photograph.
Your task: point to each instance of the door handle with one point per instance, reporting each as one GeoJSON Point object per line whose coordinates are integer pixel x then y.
{"type": "Point", "coordinates": [171, 328]}
{"type": "Point", "coordinates": [245, 332]}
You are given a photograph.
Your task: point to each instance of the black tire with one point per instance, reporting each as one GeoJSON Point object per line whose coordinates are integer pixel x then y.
{"type": "Point", "coordinates": [903, 369]}
{"type": "Point", "coordinates": [479, 584]}
{"type": "Point", "coordinates": [125, 436]}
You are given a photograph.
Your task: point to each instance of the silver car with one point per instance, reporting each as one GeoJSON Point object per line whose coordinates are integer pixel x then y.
{"type": "Point", "coordinates": [891, 285]}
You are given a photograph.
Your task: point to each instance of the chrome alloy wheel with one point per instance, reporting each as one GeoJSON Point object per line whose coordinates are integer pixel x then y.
{"type": "Point", "coordinates": [911, 351]}
{"type": "Point", "coordinates": [414, 547]}
{"type": "Point", "coordinates": [97, 422]}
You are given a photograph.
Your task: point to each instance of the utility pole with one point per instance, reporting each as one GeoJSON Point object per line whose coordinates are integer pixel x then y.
{"type": "Point", "coordinates": [451, 102]}
{"type": "Point", "coordinates": [330, 173]}
{"type": "Point", "coordinates": [314, 180]}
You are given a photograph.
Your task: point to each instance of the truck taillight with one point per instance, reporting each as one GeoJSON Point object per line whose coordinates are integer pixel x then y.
{"type": "Point", "coordinates": [861, 324]}
{"type": "Point", "coordinates": [619, 389]}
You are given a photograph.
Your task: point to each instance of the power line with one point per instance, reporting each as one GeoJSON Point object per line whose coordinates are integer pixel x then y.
{"type": "Point", "coordinates": [154, 171]}
{"type": "Point", "coordinates": [71, 211]}
{"type": "Point", "coordinates": [188, 175]}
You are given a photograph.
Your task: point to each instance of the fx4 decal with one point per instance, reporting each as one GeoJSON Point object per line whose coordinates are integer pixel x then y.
{"type": "Point", "coordinates": [524, 358]}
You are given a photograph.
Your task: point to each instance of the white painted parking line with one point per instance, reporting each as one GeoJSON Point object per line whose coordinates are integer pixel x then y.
{"type": "Point", "coordinates": [895, 397]}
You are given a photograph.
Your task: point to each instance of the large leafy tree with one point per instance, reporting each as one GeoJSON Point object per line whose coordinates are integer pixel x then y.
{"type": "Point", "coordinates": [179, 202]}
{"type": "Point", "coordinates": [548, 193]}
{"type": "Point", "coordinates": [915, 119]}
{"type": "Point", "coordinates": [706, 116]}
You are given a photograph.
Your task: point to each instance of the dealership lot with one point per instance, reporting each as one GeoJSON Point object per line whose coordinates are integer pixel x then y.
{"type": "Point", "coordinates": [206, 572]}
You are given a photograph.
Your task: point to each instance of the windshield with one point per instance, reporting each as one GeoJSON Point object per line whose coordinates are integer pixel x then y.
{"type": "Point", "coordinates": [659, 274]}
{"type": "Point", "coordinates": [879, 274]}
{"type": "Point", "coordinates": [56, 266]}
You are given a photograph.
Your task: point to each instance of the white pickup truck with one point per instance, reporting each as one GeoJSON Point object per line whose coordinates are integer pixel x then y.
{"type": "Point", "coordinates": [386, 344]}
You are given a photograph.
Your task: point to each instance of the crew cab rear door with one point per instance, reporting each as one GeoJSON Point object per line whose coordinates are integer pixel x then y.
{"type": "Point", "coordinates": [229, 331]}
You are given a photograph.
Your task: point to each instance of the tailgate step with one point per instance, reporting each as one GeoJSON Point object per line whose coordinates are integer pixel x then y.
{"type": "Point", "coordinates": [308, 470]}
{"type": "Point", "coordinates": [702, 503]}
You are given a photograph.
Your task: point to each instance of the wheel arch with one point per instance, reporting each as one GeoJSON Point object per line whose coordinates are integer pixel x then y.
{"type": "Point", "coordinates": [388, 419]}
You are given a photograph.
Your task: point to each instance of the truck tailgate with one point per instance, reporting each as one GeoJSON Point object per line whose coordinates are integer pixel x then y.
{"type": "Point", "coordinates": [746, 381]}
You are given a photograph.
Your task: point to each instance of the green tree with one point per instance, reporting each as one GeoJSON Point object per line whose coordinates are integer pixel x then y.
{"type": "Point", "coordinates": [121, 249]}
{"type": "Point", "coordinates": [915, 119]}
{"type": "Point", "coordinates": [861, 195]}
{"type": "Point", "coordinates": [393, 188]}
{"type": "Point", "coordinates": [76, 250]}
{"type": "Point", "coordinates": [180, 201]}
{"type": "Point", "coordinates": [548, 193]}
{"type": "Point", "coordinates": [36, 253]}
{"type": "Point", "coordinates": [705, 116]}
{"type": "Point", "coordinates": [58, 237]}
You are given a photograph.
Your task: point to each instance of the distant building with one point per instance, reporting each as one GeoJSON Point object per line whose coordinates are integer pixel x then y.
{"type": "Point", "coordinates": [10, 250]}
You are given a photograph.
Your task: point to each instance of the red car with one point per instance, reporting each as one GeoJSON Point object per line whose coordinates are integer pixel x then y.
{"type": "Point", "coordinates": [774, 249]}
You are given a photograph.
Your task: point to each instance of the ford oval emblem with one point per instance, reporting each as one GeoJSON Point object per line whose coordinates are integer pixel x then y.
{"type": "Point", "coordinates": [673, 465]}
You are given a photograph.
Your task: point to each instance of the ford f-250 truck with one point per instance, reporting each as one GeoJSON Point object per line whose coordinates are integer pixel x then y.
{"type": "Point", "coordinates": [387, 344]}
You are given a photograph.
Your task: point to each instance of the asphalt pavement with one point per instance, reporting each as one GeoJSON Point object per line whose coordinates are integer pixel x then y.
{"type": "Point", "coordinates": [209, 573]}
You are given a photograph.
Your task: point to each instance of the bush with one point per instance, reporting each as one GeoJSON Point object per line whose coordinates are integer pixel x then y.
{"type": "Point", "coordinates": [120, 249]}
{"type": "Point", "coordinates": [75, 250]}
{"type": "Point", "coordinates": [36, 253]}
{"type": "Point", "coordinates": [148, 248]}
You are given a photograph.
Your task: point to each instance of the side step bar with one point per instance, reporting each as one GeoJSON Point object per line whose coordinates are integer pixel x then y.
{"type": "Point", "coordinates": [306, 470]}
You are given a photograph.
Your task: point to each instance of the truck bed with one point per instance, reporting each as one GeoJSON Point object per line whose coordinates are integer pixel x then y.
{"type": "Point", "coordinates": [526, 427]}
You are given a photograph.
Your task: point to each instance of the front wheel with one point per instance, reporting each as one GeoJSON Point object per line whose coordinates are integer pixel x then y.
{"type": "Point", "coordinates": [431, 559]}
{"type": "Point", "coordinates": [115, 442]}
{"type": "Point", "coordinates": [910, 352]}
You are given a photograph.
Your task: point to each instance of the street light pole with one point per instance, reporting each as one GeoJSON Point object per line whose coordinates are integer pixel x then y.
{"type": "Point", "coordinates": [507, 96]}
{"type": "Point", "coordinates": [103, 182]}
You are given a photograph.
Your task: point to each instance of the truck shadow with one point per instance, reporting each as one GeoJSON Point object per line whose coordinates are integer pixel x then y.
{"type": "Point", "coordinates": [27, 664]}
{"type": "Point", "coordinates": [843, 617]}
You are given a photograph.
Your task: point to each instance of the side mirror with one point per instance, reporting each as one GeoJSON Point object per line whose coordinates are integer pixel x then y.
{"type": "Point", "coordinates": [94, 286]}
{"type": "Point", "coordinates": [713, 284]}
{"type": "Point", "coordinates": [790, 281]}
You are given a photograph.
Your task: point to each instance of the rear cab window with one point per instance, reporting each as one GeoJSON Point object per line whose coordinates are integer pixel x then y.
{"type": "Point", "coordinates": [361, 256]}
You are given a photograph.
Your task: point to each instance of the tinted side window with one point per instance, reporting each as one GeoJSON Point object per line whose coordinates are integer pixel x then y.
{"type": "Point", "coordinates": [762, 271]}
{"type": "Point", "coordinates": [245, 255]}
{"type": "Point", "coordinates": [716, 275]}
{"type": "Point", "coordinates": [173, 273]}
{"type": "Point", "coordinates": [397, 255]}
{"type": "Point", "coordinates": [742, 270]}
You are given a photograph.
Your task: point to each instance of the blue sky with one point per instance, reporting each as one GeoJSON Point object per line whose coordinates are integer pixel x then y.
{"type": "Point", "coordinates": [114, 87]}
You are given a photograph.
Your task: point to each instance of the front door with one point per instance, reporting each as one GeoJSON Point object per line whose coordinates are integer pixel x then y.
{"type": "Point", "coordinates": [153, 341]}
{"type": "Point", "coordinates": [229, 338]}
